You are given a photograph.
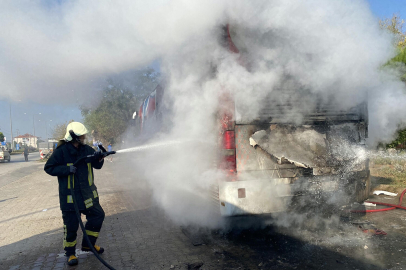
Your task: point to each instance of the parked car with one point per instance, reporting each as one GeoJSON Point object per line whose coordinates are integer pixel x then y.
{"type": "Point", "coordinates": [5, 154]}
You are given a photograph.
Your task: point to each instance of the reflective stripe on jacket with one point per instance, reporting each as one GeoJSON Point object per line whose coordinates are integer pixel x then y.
{"type": "Point", "coordinates": [82, 181]}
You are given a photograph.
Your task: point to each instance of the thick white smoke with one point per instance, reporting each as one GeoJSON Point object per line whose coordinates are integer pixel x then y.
{"type": "Point", "coordinates": [331, 48]}
{"type": "Point", "coordinates": [62, 49]}
{"type": "Point", "coordinates": [334, 48]}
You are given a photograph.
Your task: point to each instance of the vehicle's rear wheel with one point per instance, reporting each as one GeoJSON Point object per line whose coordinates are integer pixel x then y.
{"type": "Point", "coordinates": [9, 159]}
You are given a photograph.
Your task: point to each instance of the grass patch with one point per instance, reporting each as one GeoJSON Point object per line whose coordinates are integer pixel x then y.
{"type": "Point", "coordinates": [388, 173]}
{"type": "Point", "coordinates": [388, 161]}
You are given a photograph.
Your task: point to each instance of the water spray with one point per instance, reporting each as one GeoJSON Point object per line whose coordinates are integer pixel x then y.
{"type": "Point", "coordinates": [148, 146]}
{"type": "Point", "coordinates": [151, 146]}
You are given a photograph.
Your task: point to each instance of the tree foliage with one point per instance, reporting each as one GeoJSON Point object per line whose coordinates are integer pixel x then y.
{"type": "Point", "coordinates": [59, 130]}
{"type": "Point", "coordinates": [395, 26]}
{"type": "Point", "coordinates": [144, 82]}
{"type": "Point", "coordinates": [120, 99]}
{"type": "Point", "coordinates": [1, 137]}
{"type": "Point", "coordinates": [400, 141]}
{"type": "Point", "coordinates": [109, 120]}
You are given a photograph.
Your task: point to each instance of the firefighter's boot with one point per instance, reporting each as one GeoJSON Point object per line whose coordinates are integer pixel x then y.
{"type": "Point", "coordinates": [72, 260]}
{"type": "Point", "coordinates": [99, 250]}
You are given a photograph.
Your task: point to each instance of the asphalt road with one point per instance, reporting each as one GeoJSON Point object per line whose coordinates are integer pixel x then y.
{"type": "Point", "coordinates": [18, 167]}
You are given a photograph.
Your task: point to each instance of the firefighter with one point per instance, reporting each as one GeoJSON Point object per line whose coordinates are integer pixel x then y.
{"type": "Point", "coordinates": [80, 178]}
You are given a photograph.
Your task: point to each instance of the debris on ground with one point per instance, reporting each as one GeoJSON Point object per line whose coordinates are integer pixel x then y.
{"type": "Point", "coordinates": [369, 204]}
{"type": "Point", "coordinates": [382, 192]}
{"type": "Point", "coordinates": [371, 230]}
{"type": "Point", "coordinates": [367, 227]}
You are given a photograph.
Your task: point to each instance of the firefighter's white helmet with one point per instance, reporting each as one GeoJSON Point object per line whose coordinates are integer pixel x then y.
{"type": "Point", "coordinates": [78, 128]}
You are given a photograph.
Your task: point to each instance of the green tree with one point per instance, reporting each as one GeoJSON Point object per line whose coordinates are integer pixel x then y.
{"type": "Point", "coordinates": [395, 26]}
{"type": "Point", "coordinates": [59, 130]}
{"type": "Point", "coordinates": [1, 137]}
{"type": "Point", "coordinates": [120, 98]}
{"type": "Point", "coordinates": [109, 120]}
{"type": "Point", "coordinates": [145, 80]}
{"type": "Point", "coordinates": [400, 141]}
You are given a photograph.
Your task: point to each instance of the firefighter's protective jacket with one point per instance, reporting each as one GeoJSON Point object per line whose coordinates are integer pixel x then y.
{"type": "Point", "coordinates": [82, 181]}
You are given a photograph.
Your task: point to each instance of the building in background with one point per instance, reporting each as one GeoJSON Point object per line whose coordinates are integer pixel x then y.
{"type": "Point", "coordinates": [26, 140]}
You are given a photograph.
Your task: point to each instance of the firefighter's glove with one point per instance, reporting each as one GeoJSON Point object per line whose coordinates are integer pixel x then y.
{"type": "Point", "coordinates": [102, 148]}
{"type": "Point", "coordinates": [72, 169]}
{"type": "Point", "coordinates": [98, 156]}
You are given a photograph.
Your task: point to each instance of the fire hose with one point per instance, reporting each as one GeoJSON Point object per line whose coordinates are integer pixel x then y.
{"type": "Point", "coordinates": [392, 206]}
{"type": "Point", "coordinates": [78, 215]}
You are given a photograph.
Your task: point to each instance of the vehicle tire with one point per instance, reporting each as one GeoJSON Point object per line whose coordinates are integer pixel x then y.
{"type": "Point", "coordinates": [9, 159]}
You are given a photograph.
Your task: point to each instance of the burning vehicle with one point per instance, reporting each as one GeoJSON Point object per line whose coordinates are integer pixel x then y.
{"type": "Point", "coordinates": [299, 148]}
{"type": "Point", "coordinates": [271, 159]}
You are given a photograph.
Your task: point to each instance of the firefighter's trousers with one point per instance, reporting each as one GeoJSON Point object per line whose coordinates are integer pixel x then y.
{"type": "Point", "coordinates": [94, 216]}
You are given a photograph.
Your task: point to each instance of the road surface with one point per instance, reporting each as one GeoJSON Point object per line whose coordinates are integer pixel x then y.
{"type": "Point", "coordinates": [18, 167]}
{"type": "Point", "coordinates": [137, 234]}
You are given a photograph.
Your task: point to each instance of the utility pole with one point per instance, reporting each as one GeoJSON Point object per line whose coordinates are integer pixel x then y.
{"type": "Point", "coordinates": [33, 124]}
{"type": "Point", "coordinates": [46, 128]}
{"type": "Point", "coordinates": [11, 130]}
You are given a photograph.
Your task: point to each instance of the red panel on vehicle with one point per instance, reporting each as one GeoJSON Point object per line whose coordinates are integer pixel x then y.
{"type": "Point", "coordinates": [228, 140]}
{"type": "Point", "coordinates": [228, 163]}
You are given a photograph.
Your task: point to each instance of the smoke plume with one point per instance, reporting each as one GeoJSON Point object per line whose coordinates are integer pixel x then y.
{"type": "Point", "coordinates": [335, 49]}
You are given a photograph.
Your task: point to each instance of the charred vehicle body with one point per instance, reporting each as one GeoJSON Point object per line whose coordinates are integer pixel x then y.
{"type": "Point", "coordinates": [272, 159]}
{"type": "Point", "coordinates": [298, 149]}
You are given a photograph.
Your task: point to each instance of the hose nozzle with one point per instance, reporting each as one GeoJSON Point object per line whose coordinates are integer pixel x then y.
{"type": "Point", "coordinates": [105, 154]}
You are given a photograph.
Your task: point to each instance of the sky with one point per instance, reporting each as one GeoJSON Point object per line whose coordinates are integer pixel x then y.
{"type": "Point", "coordinates": [386, 8]}
{"type": "Point", "coordinates": [42, 116]}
